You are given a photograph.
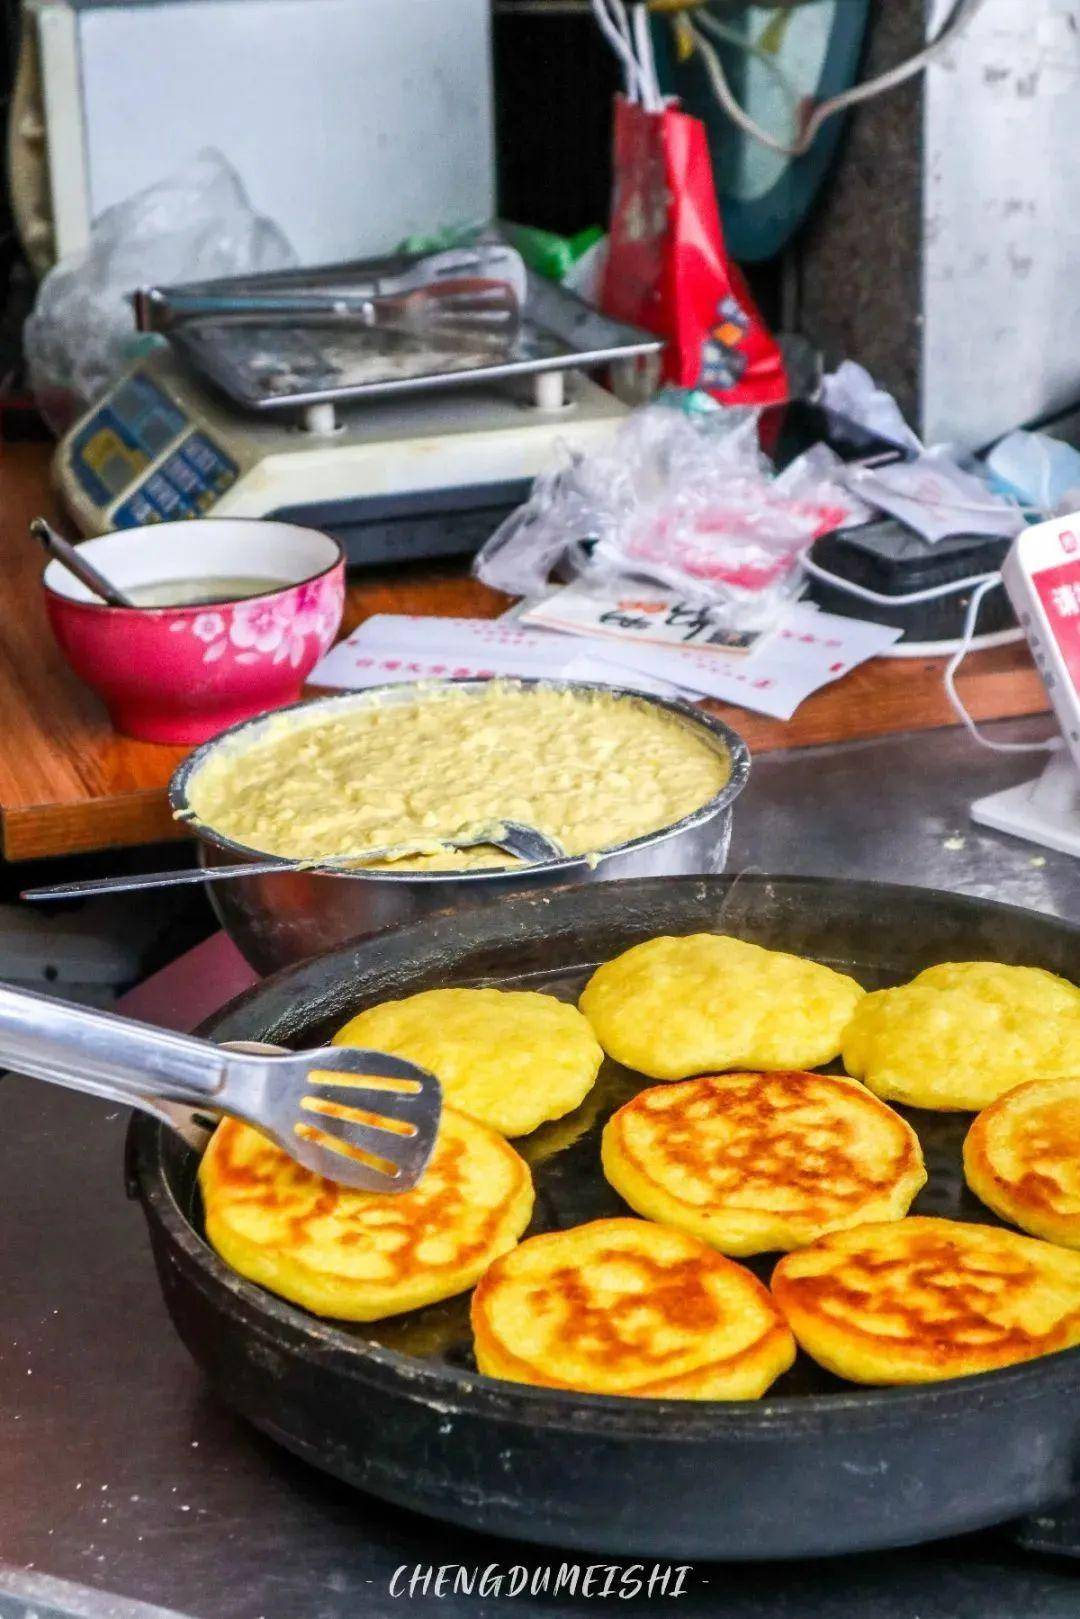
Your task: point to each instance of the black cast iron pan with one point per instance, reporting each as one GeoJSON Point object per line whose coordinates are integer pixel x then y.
{"type": "Point", "coordinates": [817, 1467]}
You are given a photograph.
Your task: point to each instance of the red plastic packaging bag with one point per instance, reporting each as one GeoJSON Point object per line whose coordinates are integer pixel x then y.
{"type": "Point", "coordinates": [668, 268]}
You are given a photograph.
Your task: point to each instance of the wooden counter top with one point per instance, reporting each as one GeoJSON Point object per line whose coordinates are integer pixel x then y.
{"type": "Point", "coordinates": [69, 783]}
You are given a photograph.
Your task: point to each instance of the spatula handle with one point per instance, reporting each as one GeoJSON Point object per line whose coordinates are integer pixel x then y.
{"type": "Point", "coordinates": [95, 1051]}
{"type": "Point", "coordinates": [135, 882]}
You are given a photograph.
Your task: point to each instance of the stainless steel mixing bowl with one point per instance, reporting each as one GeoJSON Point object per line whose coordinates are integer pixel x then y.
{"type": "Point", "coordinates": [280, 919]}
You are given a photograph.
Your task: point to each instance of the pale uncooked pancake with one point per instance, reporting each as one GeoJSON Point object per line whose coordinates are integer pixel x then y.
{"type": "Point", "coordinates": [511, 1058]}
{"type": "Point", "coordinates": [754, 1163]}
{"type": "Point", "coordinates": [627, 1307]}
{"type": "Point", "coordinates": [920, 1300]}
{"type": "Point", "coordinates": [674, 1007]}
{"type": "Point", "coordinates": [590, 770]}
{"type": "Point", "coordinates": [358, 1256]}
{"type": "Point", "coordinates": [962, 1034]}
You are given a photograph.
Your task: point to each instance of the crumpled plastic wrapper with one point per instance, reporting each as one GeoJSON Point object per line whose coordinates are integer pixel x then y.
{"type": "Point", "coordinates": [196, 224]}
{"type": "Point", "coordinates": [682, 498]}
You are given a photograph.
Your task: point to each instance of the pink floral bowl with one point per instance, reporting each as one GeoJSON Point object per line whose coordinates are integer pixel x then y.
{"type": "Point", "coordinates": [181, 674]}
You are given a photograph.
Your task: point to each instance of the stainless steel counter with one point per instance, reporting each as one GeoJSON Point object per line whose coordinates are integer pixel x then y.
{"type": "Point", "coordinates": [118, 1469]}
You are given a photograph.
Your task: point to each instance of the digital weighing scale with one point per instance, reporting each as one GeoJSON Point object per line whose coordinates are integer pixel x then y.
{"type": "Point", "coordinates": [398, 457]}
{"type": "Point", "coordinates": [1042, 577]}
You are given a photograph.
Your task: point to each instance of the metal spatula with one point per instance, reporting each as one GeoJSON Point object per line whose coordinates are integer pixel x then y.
{"type": "Point", "coordinates": [448, 314]}
{"type": "Point", "coordinates": [461, 293]}
{"type": "Point", "coordinates": [362, 1118]}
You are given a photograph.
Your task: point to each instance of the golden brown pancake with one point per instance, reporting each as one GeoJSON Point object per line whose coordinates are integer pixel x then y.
{"type": "Point", "coordinates": [1022, 1157]}
{"type": "Point", "coordinates": [674, 1007]}
{"type": "Point", "coordinates": [919, 1300]}
{"type": "Point", "coordinates": [511, 1058]}
{"type": "Point", "coordinates": [358, 1256]}
{"type": "Point", "coordinates": [627, 1307]}
{"type": "Point", "coordinates": [752, 1163]}
{"type": "Point", "coordinates": [962, 1034]}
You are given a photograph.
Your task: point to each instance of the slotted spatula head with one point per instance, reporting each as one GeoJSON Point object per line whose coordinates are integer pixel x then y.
{"type": "Point", "coordinates": [458, 313]}
{"type": "Point", "coordinates": [361, 1118]}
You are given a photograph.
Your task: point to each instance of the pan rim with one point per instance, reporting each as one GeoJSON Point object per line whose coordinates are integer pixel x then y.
{"type": "Point", "coordinates": [458, 1391]}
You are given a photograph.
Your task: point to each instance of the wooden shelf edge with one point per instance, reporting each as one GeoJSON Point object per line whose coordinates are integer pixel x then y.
{"type": "Point", "coordinates": [136, 819]}
{"type": "Point", "coordinates": [50, 830]}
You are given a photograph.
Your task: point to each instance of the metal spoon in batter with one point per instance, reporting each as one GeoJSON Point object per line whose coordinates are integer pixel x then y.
{"type": "Point", "coordinates": [526, 843]}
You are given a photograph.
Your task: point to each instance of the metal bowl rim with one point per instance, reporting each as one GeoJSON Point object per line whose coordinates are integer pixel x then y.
{"type": "Point", "coordinates": [737, 751]}
{"type": "Point", "coordinates": [460, 1390]}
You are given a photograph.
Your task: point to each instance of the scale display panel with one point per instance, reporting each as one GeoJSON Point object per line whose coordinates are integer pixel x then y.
{"type": "Point", "coordinates": [139, 448]}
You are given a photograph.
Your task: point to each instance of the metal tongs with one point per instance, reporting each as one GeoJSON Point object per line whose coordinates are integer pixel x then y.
{"type": "Point", "coordinates": [460, 297]}
{"type": "Point", "coordinates": [362, 1118]}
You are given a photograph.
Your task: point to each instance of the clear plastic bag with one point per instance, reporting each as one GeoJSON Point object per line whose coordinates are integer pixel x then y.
{"type": "Point", "coordinates": [195, 224]}
{"type": "Point", "coordinates": [685, 499]}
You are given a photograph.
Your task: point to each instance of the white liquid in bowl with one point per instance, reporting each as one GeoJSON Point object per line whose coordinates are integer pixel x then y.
{"type": "Point", "coordinates": [200, 592]}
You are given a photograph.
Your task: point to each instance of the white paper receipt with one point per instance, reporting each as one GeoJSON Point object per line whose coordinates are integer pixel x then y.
{"type": "Point", "coordinates": [809, 650]}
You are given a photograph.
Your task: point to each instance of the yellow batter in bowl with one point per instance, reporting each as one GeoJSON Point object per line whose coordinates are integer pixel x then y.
{"type": "Point", "coordinates": [590, 769]}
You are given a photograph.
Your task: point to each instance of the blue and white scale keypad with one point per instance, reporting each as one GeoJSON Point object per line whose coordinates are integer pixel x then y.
{"type": "Point", "coordinates": [185, 485]}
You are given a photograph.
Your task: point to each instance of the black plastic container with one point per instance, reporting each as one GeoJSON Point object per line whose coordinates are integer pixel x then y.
{"type": "Point", "coordinates": [892, 560]}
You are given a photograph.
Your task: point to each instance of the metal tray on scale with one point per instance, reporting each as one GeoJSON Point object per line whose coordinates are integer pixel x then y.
{"type": "Point", "coordinates": [817, 1467]}
{"type": "Point", "coordinates": [274, 367]}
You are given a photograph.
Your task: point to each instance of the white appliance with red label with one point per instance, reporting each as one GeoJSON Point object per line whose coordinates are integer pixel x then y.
{"type": "Point", "coordinates": [1042, 576]}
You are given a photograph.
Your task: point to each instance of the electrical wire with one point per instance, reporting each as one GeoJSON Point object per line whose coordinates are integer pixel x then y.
{"type": "Point", "coordinates": [612, 31]}
{"type": "Point", "coordinates": [971, 619]}
{"type": "Point", "coordinates": [617, 13]}
{"type": "Point", "coordinates": [650, 92]}
{"type": "Point", "coordinates": [980, 585]}
{"type": "Point", "coordinates": [960, 16]}
{"type": "Point", "coordinates": [729, 35]}
{"type": "Point", "coordinates": [633, 46]}
{"type": "Point", "coordinates": [864, 593]}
